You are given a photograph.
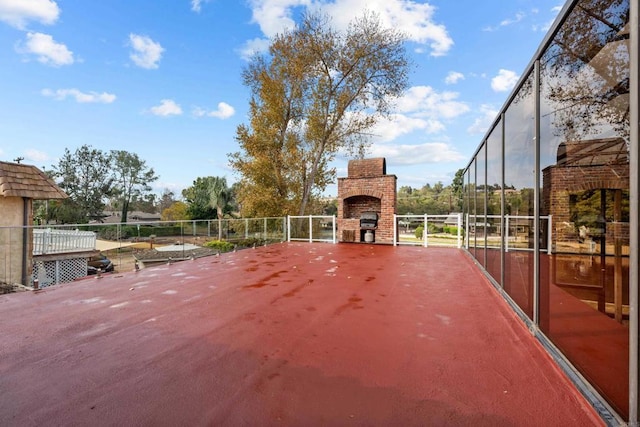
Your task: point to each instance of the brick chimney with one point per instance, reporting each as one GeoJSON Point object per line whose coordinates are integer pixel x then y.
{"type": "Point", "coordinates": [367, 188]}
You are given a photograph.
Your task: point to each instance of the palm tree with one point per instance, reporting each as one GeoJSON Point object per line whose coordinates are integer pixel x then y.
{"type": "Point", "coordinates": [219, 195]}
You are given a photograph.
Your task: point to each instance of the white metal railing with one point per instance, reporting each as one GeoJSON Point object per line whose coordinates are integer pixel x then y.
{"type": "Point", "coordinates": [50, 241]}
{"type": "Point", "coordinates": [312, 228]}
{"type": "Point", "coordinates": [427, 238]}
{"type": "Point", "coordinates": [510, 239]}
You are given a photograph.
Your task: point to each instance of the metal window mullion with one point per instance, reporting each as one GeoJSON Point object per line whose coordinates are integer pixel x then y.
{"type": "Point", "coordinates": [504, 230]}
{"type": "Point", "coordinates": [634, 261]}
{"type": "Point", "coordinates": [536, 197]}
{"type": "Point", "coordinates": [486, 200]}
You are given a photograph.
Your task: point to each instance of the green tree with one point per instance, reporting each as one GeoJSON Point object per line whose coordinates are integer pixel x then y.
{"type": "Point", "coordinates": [208, 197]}
{"type": "Point", "coordinates": [145, 203]}
{"type": "Point", "coordinates": [86, 176]}
{"type": "Point", "coordinates": [318, 92]}
{"type": "Point", "coordinates": [176, 212]}
{"type": "Point", "coordinates": [457, 187]}
{"type": "Point", "coordinates": [132, 178]}
{"type": "Point", "coordinates": [219, 195]}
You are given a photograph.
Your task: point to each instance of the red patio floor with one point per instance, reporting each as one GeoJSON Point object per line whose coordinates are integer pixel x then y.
{"type": "Point", "coordinates": [290, 334]}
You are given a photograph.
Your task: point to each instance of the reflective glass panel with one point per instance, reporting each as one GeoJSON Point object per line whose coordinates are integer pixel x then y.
{"type": "Point", "coordinates": [519, 185]}
{"type": "Point", "coordinates": [479, 227]}
{"type": "Point", "coordinates": [494, 197]}
{"type": "Point", "coordinates": [584, 146]}
{"type": "Point", "coordinates": [472, 207]}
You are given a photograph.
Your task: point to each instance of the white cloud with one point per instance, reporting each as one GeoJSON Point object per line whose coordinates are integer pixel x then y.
{"type": "Point", "coordinates": [430, 152]}
{"type": "Point", "coordinates": [519, 16]}
{"type": "Point", "coordinates": [397, 125]}
{"type": "Point", "coordinates": [424, 101]}
{"type": "Point", "coordinates": [146, 53]}
{"type": "Point", "coordinates": [224, 111]}
{"type": "Point", "coordinates": [251, 47]}
{"type": "Point", "coordinates": [421, 108]}
{"type": "Point", "coordinates": [18, 12]}
{"type": "Point", "coordinates": [80, 97]}
{"type": "Point", "coordinates": [482, 123]}
{"type": "Point", "coordinates": [35, 156]}
{"type": "Point", "coordinates": [453, 77]}
{"type": "Point", "coordinates": [167, 107]}
{"type": "Point", "coordinates": [47, 50]}
{"type": "Point", "coordinates": [196, 5]}
{"type": "Point", "coordinates": [413, 18]}
{"type": "Point", "coordinates": [504, 81]}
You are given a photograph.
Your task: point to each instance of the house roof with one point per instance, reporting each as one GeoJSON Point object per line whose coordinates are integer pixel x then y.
{"type": "Point", "coordinates": [18, 180]}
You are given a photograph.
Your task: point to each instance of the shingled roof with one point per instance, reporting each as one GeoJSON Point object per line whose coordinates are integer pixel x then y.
{"type": "Point", "coordinates": [18, 180]}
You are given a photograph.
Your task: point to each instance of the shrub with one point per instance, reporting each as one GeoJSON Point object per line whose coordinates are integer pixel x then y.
{"type": "Point", "coordinates": [220, 245]}
{"type": "Point", "coordinates": [419, 232]}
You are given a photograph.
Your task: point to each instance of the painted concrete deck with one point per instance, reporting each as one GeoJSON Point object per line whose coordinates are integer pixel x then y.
{"type": "Point", "coordinates": [290, 334]}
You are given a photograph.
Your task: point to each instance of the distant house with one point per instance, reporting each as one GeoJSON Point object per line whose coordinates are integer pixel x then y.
{"type": "Point", "coordinates": [452, 219]}
{"type": "Point", "coordinates": [19, 186]}
{"type": "Point", "coordinates": [114, 217]}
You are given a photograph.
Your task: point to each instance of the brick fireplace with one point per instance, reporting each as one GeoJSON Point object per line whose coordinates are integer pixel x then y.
{"type": "Point", "coordinates": [367, 188]}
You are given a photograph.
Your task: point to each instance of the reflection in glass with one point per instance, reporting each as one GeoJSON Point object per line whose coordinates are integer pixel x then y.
{"type": "Point", "coordinates": [519, 188]}
{"type": "Point", "coordinates": [472, 207]}
{"type": "Point", "coordinates": [494, 199]}
{"type": "Point", "coordinates": [584, 145]}
{"type": "Point", "coordinates": [479, 226]}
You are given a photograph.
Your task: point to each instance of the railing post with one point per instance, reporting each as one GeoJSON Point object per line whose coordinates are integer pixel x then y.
{"type": "Point", "coordinates": [334, 228]}
{"type": "Point", "coordinates": [506, 233]}
{"type": "Point", "coordinates": [467, 233]}
{"type": "Point", "coordinates": [288, 236]}
{"type": "Point", "coordinates": [310, 229]}
{"type": "Point", "coordinates": [425, 231]}
{"type": "Point", "coordinates": [395, 230]}
{"type": "Point", "coordinates": [459, 230]}
{"type": "Point", "coordinates": [549, 239]}
{"type": "Point", "coordinates": [45, 240]}
{"type": "Point", "coordinates": [264, 229]}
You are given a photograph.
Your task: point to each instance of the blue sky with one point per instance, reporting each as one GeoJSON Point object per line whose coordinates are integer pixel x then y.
{"type": "Point", "coordinates": [162, 78]}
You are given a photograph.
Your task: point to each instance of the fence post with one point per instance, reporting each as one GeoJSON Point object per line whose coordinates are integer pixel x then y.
{"type": "Point", "coordinates": [264, 228]}
{"type": "Point", "coordinates": [459, 230]}
{"type": "Point", "coordinates": [46, 240]}
{"type": "Point", "coordinates": [288, 236]}
{"type": "Point", "coordinates": [506, 233]}
{"type": "Point", "coordinates": [395, 229]}
{"type": "Point", "coordinates": [549, 239]}
{"type": "Point", "coordinates": [310, 229]}
{"type": "Point", "coordinates": [467, 234]}
{"type": "Point", "coordinates": [334, 228]}
{"type": "Point", "coordinates": [425, 232]}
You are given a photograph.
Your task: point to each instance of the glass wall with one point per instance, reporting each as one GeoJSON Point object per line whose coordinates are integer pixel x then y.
{"type": "Point", "coordinates": [494, 200]}
{"type": "Point", "coordinates": [562, 146]}
{"type": "Point", "coordinates": [471, 213]}
{"type": "Point", "coordinates": [585, 188]}
{"type": "Point", "coordinates": [479, 227]}
{"type": "Point", "coordinates": [519, 187]}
